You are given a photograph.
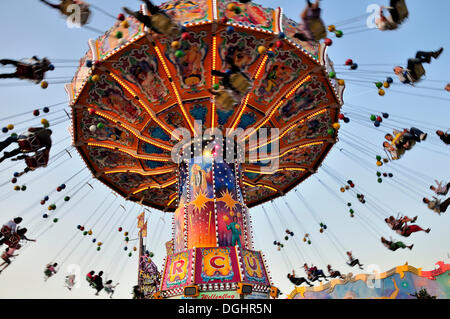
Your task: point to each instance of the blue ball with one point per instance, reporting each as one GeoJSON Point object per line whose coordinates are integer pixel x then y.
{"type": "Point", "coordinates": [230, 29]}
{"type": "Point", "coordinates": [5, 130]}
{"type": "Point", "coordinates": [281, 35]}
{"type": "Point", "coordinates": [94, 240]}
{"type": "Point", "coordinates": [46, 109]}
{"type": "Point", "coordinates": [51, 67]}
{"type": "Point", "coordinates": [63, 186]}
{"type": "Point", "coordinates": [385, 115]}
{"type": "Point", "coordinates": [46, 198]}
{"type": "Point", "coordinates": [45, 216]}
{"type": "Point", "coordinates": [346, 120]}
{"type": "Point", "coordinates": [376, 123]}
{"type": "Point", "coordinates": [389, 80]}
{"type": "Point", "coordinates": [89, 63]}
{"type": "Point", "coordinates": [16, 174]}
{"type": "Point", "coordinates": [125, 248]}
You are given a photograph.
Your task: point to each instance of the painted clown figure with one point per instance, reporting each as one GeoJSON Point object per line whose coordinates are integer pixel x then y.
{"type": "Point", "coordinates": [235, 232]}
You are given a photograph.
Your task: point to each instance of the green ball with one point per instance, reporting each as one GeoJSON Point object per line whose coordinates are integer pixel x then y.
{"type": "Point", "coordinates": [216, 86]}
{"type": "Point", "coordinates": [151, 254]}
{"type": "Point", "coordinates": [127, 239]}
{"type": "Point", "coordinates": [349, 204]}
{"type": "Point", "coordinates": [379, 85]}
{"type": "Point", "coordinates": [378, 158]}
{"type": "Point", "coordinates": [55, 220]}
{"type": "Point", "coordinates": [53, 206]}
{"type": "Point", "coordinates": [13, 135]}
{"type": "Point", "coordinates": [237, 10]}
{"type": "Point", "coordinates": [85, 233]}
{"type": "Point", "coordinates": [380, 180]}
{"type": "Point", "coordinates": [378, 174]}
{"type": "Point", "coordinates": [339, 33]}
{"type": "Point", "coordinates": [98, 248]}
{"type": "Point", "coordinates": [24, 188]}
{"type": "Point", "coordinates": [179, 54]}
{"type": "Point", "coordinates": [100, 125]}
{"type": "Point", "coordinates": [330, 131]}
{"type": "Point", "coordinates": [309, 242]}
{"type": "Point", "coordinates": [67, 198]}
{"type": "Point", "coordinates": [119, 35]}
{"type": "Point", "coordinates": [286, 238]}
{"type": "Point", "coordinates": [130, 254]}
{"type": "Point", "coordinates": [373, 118]}
{"type": "Point", "coordinates": [351, 211]}
{"type": "Point", "coordinates": [332, 74]}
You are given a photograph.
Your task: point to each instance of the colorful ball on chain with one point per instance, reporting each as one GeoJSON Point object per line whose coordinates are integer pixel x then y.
{"type": "Point", "coordinates": [23, 188]}
{"type": "Point", "coordinates": [44, 84]}
{"type": "Point", "coordinates": [179, 53]}
{"type": "Point", "coordinates": [89, 63]}
{"type": "Point", "coordinates": [342, 189]}
{"type": "Point", "coordinates": [17, 188]}
{"type": "Point", "coordinates": [328, 42]}
{"type": "Point", "coordinates": [389, 80]}
{"type": "Point", "coordinates": [379, 163]}
{"type": "Point", "coordinates": [349, 62]}
{"type": "Point", "coordinates": [346, 120]}
{"type": "Point", "coordinates": [376, 124]}
{"type": "Point", "coordinates": [36, 112]}
{"type": "Point", "coordinates": [185, 36]}
{"type": "Point", "coordinates": [66, 199]}
{"type": "Point", "coordinates": [354, 66]}
{"type": "Point", "coordinates": [230, 29]}
{"type": "Point", "coordinates": [94, 240]}
{"type": "Point", "coordinates": [380, 180]}
{"type": "Point", "coordinates": [386, 85]}
{"type": "Point", "coordinates": [45, 216]}
{"type": "Point", "coordinates": [4, 130]}
{"type": "Point", "coordinates": [330, 131]}
{"type": "Point", "coordinates": [119, 34]}
{"type": "Point", "coordinates": [262, 49]}
{"type": "Point", "coordinates": [45, 123]}
{"type": "Point", "coordinates": [224, 20]}
{"type": "Point", "coordinates": [339, 33]}
{"type": "Point", "coordinates": [336, 126]}
{"type": "Point", "coordinates": [341, 82]}
{"type": "Point", "coordinates": [125, 24]}
{"type": "Point", "coordinates": [55, 220]}
{"type": "Point", "coordinates": [14, 180]}
{"type": "Point", "coordinates": [176, 45]}
{"type": "Point", "coordinates": [151, 254]}
{"type": "Point", "coordinates": [85, 233]}
{"type": "Point", "coordinates": [99, 248]}
{"type": "Point", "coordinates": [125, 248]}
{"type": "Point", "coordinates": [100, 125]}
{"type": "Point", "coordinates": [231, 6]}
{"type": "Point", "coordinates": [332, 75]}
{"type": "Point", "coordinates": [134, 248]}
{"type": "Point", "coordinates": [331, 28]}
{"type": "Point", "coordinates": [341, 116]}
{"type": "Point", "coordinates": [121, 17]}
{"type": "Point", "coordinates": [10, 127]}
{"type": "Point", "coordinates": [125, 233]}
{"type": "Point", "coordinates": [381, 92]}
{"type": "Point", "coordinates": [120, 229]}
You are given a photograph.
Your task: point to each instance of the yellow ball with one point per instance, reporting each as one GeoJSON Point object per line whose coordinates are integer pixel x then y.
{"type": "Point", "coordinates": [99, 244]}
{"type": "Point", "coordinates": [342, 189]}
{"type": "Point", "coordinates": [231, 6]}
{"type": "Point", "coordinates": [341, 82]}
{"type": "Point", "coordinates": [124, 24]}
{"type": "Point", "coordinates": [44, 84]}
{"type": "Point", "coordinates": [379, 163]}
{"type": "Point", "coordinates": [385, 160]}
{"type": "Point", "coordinates": [331, 28]}
{"type": "Point", "coordinates": [125, 233]}
{"type": "Point", "coordinates": [386, 85]}
{"type": "Point", "coordinates": [10, 127]}
{"type": "Point", "coordinates": [381, 92]}
{"type": "Point", "coordinates": [44, 122]}
{"type": "Point", "coordinates": [90, 232]}
{"type": "Point", "coordinates": [336, 126]}
{"type": "Point", "coordinates": [134, 248]}
{"type": "Point", "coordinates": [95, 78]}
{"type": "Point", "coordinates": [176, 45]}
{"type": "Point", "coordinates": [262, 49]}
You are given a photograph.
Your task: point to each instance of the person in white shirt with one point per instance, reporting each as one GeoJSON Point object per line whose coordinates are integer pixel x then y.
{"type": "Point", "coordinates": [436, 205]}
{"type": "Point", "coordinates": [10, 227]}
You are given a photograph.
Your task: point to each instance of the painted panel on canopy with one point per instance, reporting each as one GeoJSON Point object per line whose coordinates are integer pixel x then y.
{"type": "Point", "coordinates": [104, 158]}
{"type": "Point", "coordinates": [251, 15]}
{"type": "Point", "coordinates": [256, 194]}
{"type": "Point", "coordinates": [242, 46]}
{"type": "Point", "coordinates": [164, 178]}
{"type": "Point", "coordinates": [280, 75]}
{"type": "Point", "coordinates": [282, 179]}
{"type": "Point", "coordinates": [305, 156]}
{"type": "Point", "coordinates": [150, 165]}
{"type": "Point", "coordinates": [150, 149]}
{"type": "Point", "coordinates": [192, 71]}
{"type": "Point", "coordinates": [216, 265]}
{"type": "Point", "coordinates": [290, 28]}
{"type": "Point", "coordinates": [199, 110]}
{"type": "Point", "coordinates": [253, 267]}
{"type": "Point", "coordinates": [127, 181]}
{"type": "Point", "coordinates": [107, 95]}
{"type": "Point", "coordinates": [313, 128]}
{"type": "Point", "coordinates": [141, 69]}
{"type": "Point", "coordinates": [109, 41]}
{"type": "Point", "coordinates": [250, 117]}
{"type": "Point", "coordinates": [82, 73]}
{"type": "Point", "coordinates": [156, 132]}
{"type": "Point", "coordinates": [110, 132]}
{"type": "Point", "coordinates": [173, 117]}
{"type": "Point", "coordinates": [188, 11]}
{"type": "Point", "coordinates": [311, 95]}
{"type": "Point", "coordinates": [156, 195]}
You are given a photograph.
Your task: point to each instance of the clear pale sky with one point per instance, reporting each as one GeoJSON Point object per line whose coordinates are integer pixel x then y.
{"type": "Point", "coordinates": [30, 28]}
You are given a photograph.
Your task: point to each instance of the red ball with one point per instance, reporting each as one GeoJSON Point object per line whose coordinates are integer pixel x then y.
{"type": "Point", "coordinates": [279, 44]}
{"type": "Point", "coordinates": [42, 202]}
{"type": "Point", "coordinates": [185, 36]}
{"type": "Point", "coordinates": [120, 229]}
{"type": "Point", "coordinates": [91, 111]}
{"type": "Point", "coordinates": [349, 62]}
{"type": "Point", "coordinates": [341, 116]}
{"type": "Point", "coordinates": [58, 189]}
{"type": "Point", "coordinates": [379, 119]}
{"type": "Point", "coordinates": [82, 228]}
{"type": "Point", "coordinates": [224, 19]}
{"type": "Point", "coordinates": [36, 112]}
{"type": "Point", "coordinates": [328, 42]}
{"type": "Point", "coordinates": [121, 17]}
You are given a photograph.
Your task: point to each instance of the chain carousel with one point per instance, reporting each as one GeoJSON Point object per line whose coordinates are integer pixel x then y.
{"type": "Point", "coordinates": [136, 88]}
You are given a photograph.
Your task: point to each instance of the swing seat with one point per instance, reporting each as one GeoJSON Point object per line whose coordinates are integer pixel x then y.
{"type": "Point", "coordinates": [6, 231]}
{"type": "Point", "coordinates": [240, 83]}
{"type": "Point", "coordinates": [419, 71]}
{"type": "Point", "coordinates": [164, 25]}
{"type": "Point", "coordinates": [29, 144]}
{"type": "Point", "coordinates": [36, 161]}
{"type": "Point", "coordinates": [13, 241]}
{"type": "Point", "coordinates": [318, 29]}
{"type": "Point", "coordinates": [401, 9]}
{"type": "Point", "coordinates": [225, 100]}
